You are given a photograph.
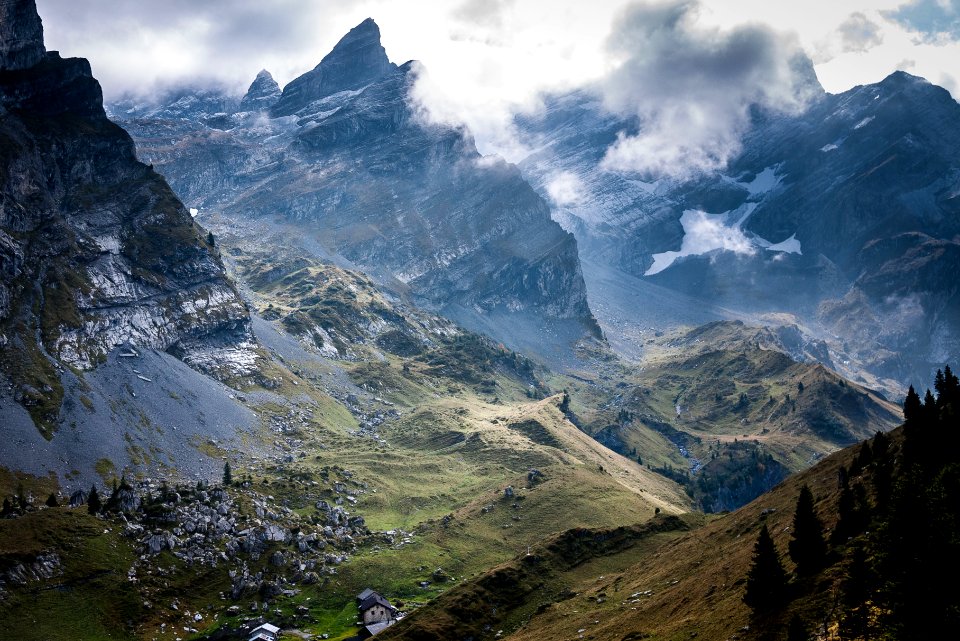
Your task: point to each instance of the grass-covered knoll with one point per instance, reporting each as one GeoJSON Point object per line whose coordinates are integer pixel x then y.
{"type": "Point", "coordinates": [87, 596]}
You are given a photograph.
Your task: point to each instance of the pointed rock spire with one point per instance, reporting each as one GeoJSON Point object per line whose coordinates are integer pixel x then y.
{"type": "Point", "coordinates": [21, 35]}
{"type": "Point", "coordinates": [357, 60]}
{"type": "Point", "coordinates": [262, 94]}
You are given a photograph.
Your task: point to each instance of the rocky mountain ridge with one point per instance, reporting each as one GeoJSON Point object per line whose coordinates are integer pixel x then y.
{"type": "Point", "coordinates": [344, 156]}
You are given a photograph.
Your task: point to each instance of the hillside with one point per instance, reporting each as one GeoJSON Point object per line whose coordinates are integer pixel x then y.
{"type": "Point", "coordinates": [728, 409]}
{"type": "Point", "coordinates": [623, 585]}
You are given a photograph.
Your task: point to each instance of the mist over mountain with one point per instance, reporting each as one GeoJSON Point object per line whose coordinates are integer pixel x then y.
{"type": "Point", "coordinates": [802, 220]}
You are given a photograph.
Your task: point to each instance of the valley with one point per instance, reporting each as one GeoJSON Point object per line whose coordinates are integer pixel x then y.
{"type": "Point", "coordinates": [264, 351]}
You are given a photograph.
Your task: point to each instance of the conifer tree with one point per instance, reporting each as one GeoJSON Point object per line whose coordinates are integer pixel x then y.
{"type": "Point", "coordinates": [766, 580]}
{"type": "Point", "coordinates": [912, 406]}
{"type": "Point", "coordinates": [227, 474]}
{"type": "Point", "coordinates": [797, 629]}
{"type": "Point", "coordinates": [807, 547]}
{"type": "Point", "coordinates": [930, 409]}
{"type": "Point", "coordinates": [93, 501]}
{"type": "Point", "coordinates": [856, 595]}
{"type": "Point", "coordinates": [52, 500]}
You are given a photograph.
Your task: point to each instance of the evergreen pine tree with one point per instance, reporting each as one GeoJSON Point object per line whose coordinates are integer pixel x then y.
{"type": "Point", "coordinates": [7, 509]}
{"type": "Point", "coordinates": [93, 501]}
{"type": "Point", "coordinates": [797, 629]}
{"type": "Point", "coordinates": [227, 474]}
{"type": "Point", "coordinates": [52, 500]}
{"type": "Point", "coordinates": [930, 409]}
{"type": "Point", "coordinates": [766, 580]}
{"type": "Point", "coordinates": [912, 406]}
{"type": "Point", "coordinates": [807, 547]}
{"type": "Point", "coordinates": [856, 595]}
{"type": "Point", "coordinates": [882, 477]}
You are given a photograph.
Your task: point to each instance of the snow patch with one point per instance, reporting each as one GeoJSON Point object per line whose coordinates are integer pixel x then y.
{"type": "Point", "coordinates": [863, 123]}
{"type": "Point", "coordinates": [829, 147]}
{"type": "Point", "coordinates": [788, 246]}
{"type": "Point", "coordinates": [763, 182]}
{"type": "Point", "coordinates": [702, 233]}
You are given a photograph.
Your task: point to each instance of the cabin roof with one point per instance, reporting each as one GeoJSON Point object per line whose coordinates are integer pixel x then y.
{"type": "Point", "coordinates": [372, 600]}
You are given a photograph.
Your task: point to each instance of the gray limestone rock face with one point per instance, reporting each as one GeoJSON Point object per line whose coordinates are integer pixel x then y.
{"type": "Point", "coordinates": [264, 92]}
{"type": "Point", "coordinates": [357, 60]}
{"type": "Point", "coordinates": [21, 35]}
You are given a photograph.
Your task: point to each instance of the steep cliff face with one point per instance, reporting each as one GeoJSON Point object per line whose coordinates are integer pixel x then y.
{"type": "Point", "coordinates": [358, 60]}
{"type": "Point", "coordinates": [347, 160]}
{"type": "Point", "coordinates": [95, 249]}
{"type": "Point", "coordinates": [21, 35]}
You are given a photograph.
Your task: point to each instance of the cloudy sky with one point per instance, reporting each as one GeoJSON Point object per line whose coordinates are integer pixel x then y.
{"type": "Point", "coordinates": [683, 65]}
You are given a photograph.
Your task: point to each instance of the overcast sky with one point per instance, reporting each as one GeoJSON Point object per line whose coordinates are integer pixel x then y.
{"type": "Point", "coordinates": [487, 58]}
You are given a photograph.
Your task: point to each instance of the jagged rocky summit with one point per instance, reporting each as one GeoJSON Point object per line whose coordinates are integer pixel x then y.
{"type": "Point", "coordinates": [264, 92]}
{"type": "Point", "coordinates": [96, 251]}
{"type": "Point", "coordinates": [349, 159]}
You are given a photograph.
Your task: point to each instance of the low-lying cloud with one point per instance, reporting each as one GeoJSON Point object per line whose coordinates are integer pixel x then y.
{"type": "Point", "coordinates": [692, 85]}
{"type": "Point", "coordinates": [565, 189]}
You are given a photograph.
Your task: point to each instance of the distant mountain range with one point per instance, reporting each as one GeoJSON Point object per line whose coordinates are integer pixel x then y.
{"type": "Point", "coordinates": [846, 216]}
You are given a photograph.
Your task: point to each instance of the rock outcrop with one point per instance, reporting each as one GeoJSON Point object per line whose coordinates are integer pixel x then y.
{"type": "Point", "coordinates": [21, 35]}
{"type": "Point", "coordinates": [264, 92]}
{"type": "Point", "coordinates": [96, 251]}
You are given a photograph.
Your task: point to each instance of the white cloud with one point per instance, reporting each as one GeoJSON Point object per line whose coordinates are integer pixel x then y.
{"type": "Point", "coordinates": [565, 189]}
{"type": "Point", "coordinates": [692, 85]}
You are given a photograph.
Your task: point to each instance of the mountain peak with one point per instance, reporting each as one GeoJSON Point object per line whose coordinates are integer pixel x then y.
{"type": "Point", "coordinates": [357, 60]}
{"type": "Point", "coordinates": [901, 78]}
{"type": "Point", "coordinates": [21, 35]}
{"type": "Point", "coordinates": [262, 94]}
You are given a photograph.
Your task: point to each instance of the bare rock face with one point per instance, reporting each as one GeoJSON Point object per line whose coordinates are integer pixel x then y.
{"type": "Point", "coordinates": [96, 251]}
{"type": "Point", "coordinates": [21, 35]}
{"type": "Point", "coordinates": [356, 61]}
{"type": "Point", "coordinates": [262, 94]}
